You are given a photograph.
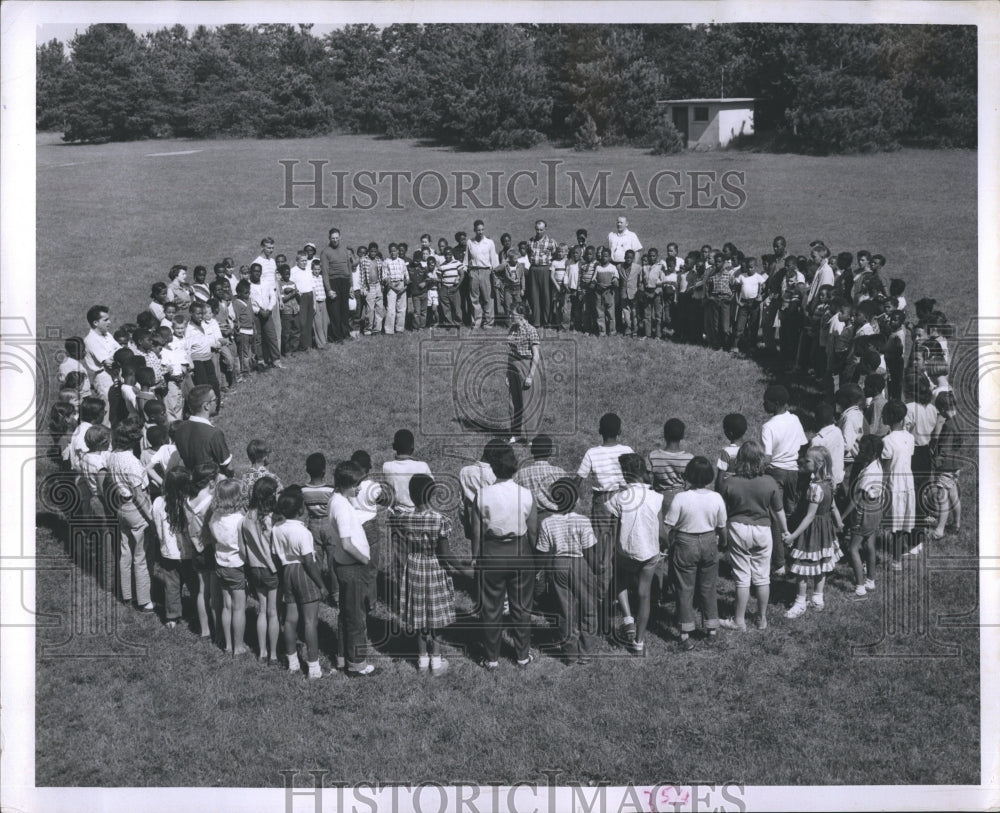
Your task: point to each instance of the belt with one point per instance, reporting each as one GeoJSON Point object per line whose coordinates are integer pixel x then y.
{"type": "Point", "coordinates": [491, 537]}
{"type": "Point", "coordinates": [479, 268]}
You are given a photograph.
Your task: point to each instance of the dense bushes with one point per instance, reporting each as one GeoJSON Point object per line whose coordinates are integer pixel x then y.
{"type": "Point", "coordinates": [820, 88]}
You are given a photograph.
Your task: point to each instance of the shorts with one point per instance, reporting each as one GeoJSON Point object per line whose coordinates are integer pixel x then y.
{"type": "Point", "coordinates": [204, 561]}
{"type": "Point", "coordinates": [231, 578]}
{"type": "Point", "coordinates": [627, 569]}
{"type": "Point", "coordinates": [262, 580]}
{"type": "Point", "coordinates": [297, 587]}
{"type": "Point", "coordinates": [750, 553]}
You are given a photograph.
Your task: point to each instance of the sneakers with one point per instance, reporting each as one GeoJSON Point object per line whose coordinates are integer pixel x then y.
{"type": "Point", "coordinates": [869, 585]}
{"type": "Point", "coordinates": [796, 610]}
{"type": "Point", "coordinates": [732, 624]}
{"type": "Point", "coordinates": [171, 624]}
{"type": "Point", "coordinates": [526, 662]}
{"type": "Point", "coordinates": [278, 364]}
{"type": "Point", "coordinates": [147, 608]}
{"type": "Point", "coordinates": [490, 666]}
{"type": "Point", "coordinates": [628, 629]}
{"type": "Point", "coordinates": [638, 649]}
{"type": "Point", "coordinates": [315, 673]}
{"type": "Point", "coordinates": [686, 644]}
{"type": "Point", "coordinates": [423, 663]}
{"type": "Point", "coordinates": [438, 666]}
{"type": "Point", "coordinates": [817, 602]}
{"type": "Point", "coordinates": [368, 670]}
{"type": "Point", "coordinates": [860, 594]}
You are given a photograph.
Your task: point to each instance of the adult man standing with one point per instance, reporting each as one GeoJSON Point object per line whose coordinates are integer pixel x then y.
{"type": "Point", "coordinates": [621, 240]}
{"type": "Point", "coordinates": [101, 348]}
{"type": "Point", "coordinates": [335, 262]}
{"type": "Point", "coordinates": [541, 247]}
{"type": "Point", "coordinates": [268, 266]}
{"type": "Point", "coordinates": [482, 260]}
{"type": "Point", "coordinates": [197, 440]}
{"type": "Point", "coordinates": [264, 302]}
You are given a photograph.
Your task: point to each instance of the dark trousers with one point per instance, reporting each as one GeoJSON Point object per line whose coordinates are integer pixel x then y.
{"type": "Point", "coordinates": [289, 333]}
{"type": "Point", "coordinates": [923, 468]}
{"type": "Point", "coordinates": [696, 570]}
{"type": "Point", "coordinates": [788, 481]}
{"type": "Point", "coordinates": [419, 305]}
{"type": "Point", "coordinates": [451, 306]}
{"type": "Point", "coordinates": [506, 568]}
{"type": "Point", "coordinates": [573, 584]}
{"type": "Point", "coordinates": [304, 321]}
{"type": "Point", "coordinates": [539, 294]}
{"type": "Point", "coordinates": [340, 310]}
{"type": "Point", "coordinates": [352, 622]}
{"type": "Point", "coordinates": [203, 372]}
{"type": "Point", "coordinates": [174, 573]}
{"type": "Point", "coordinates": [269, 324]}
{"type": "Point", "coordinates": [717, 322]}
{"type": "Point", "coordinates": [605, 527]}
{"type": "Point", "coordinates": [747, 324]}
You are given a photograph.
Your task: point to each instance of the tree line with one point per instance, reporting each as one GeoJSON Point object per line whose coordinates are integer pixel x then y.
{"type": "Point", "coordinates": [820, 88]}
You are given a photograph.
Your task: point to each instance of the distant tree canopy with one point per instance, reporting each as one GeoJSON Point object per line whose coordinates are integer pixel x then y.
{"type": "Point", "coordinates": [823, 88]}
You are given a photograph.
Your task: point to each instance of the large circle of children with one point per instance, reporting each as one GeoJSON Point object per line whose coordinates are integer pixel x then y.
{"type": "Point", "coordinates": [881, 458]}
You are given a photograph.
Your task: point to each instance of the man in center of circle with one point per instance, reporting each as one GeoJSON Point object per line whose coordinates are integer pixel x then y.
{"type": "Point", "coordinates": [524, 382]}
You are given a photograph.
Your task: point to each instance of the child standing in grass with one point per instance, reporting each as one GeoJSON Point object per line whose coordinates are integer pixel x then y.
{"type": "Point", "coordinates": [426, 594]}
{"type": "Point", "coordinates": [734, 427]}
{"type": "Point", "coordinates": [262, 571]}
{"type": "Point", "coordinates": [865, 510]}
{"type": "Point", "coordinates": [696, 520]}
{"type": "Point", "coordinates": [301, 582]}
{"type": "Point", "coordinates": [176, 568]}
{"type": "Point", "coordinates": [946, 444]}
{"type": "Point", "coordinates": [200, 494]}
{"type": "Point", "coordinates": [814, 549]}
{"type": "Point", "coordinates": [224, 525]}
{"type": "Point", "coordinates": [316, 495]}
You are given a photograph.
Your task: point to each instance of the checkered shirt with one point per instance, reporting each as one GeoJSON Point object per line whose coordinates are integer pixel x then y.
{"type": "Point", "coordinates": [538, 477]}
{"type": "Point", "coordinates": [521, 340]}
{"type": "Point", "coordinates": [722, 285]}
{"type": "Point", "coordinates": [566, 535]}
{"type": "Point", "coordinates": [394, 271]}
{"type": "Point", "coordinates": [368, 270]}
{"type": "Point", "coordinates": [154, 363]}
{"type": "Point", "coordinates": [541, 250]}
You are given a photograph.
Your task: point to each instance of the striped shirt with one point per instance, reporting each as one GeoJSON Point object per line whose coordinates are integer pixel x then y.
{"type": "Point", "coordinates": [605, 276]}
{"type": "Point", "coordinates": [316, 500]}
{"type": "Point", "coordinates": [602, 462]}
{"type": "Point", "coordinates": [566, 535]}
{"type": "Point", "coordinates": [538, 477]}
{"type": "Point", "coordinates": [667, 468]}
{"type": "Point", "coordinates": [587, 272]}
{"type": "Point", "coordinates": [451, 273]}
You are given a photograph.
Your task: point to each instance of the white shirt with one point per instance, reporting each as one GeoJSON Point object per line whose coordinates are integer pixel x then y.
{"type": "Point", "coordinates": [302, 279]}
{"type": "Point", "coordinates": [268, 272]}
{"type": "Point", "coordinates": [482, 254]}
{"type": "Point", "coordinates": [99, 349]}
{"type": "Point", "coordinates": [474, 478]}
{"type": "Point", "coordinates": [833, 439]}
{"type": "Point", "coordinates": [697, 511]}
{"type": "Point", "coordinates": [345, 524]}
{"type": "Point", "coordinates": [292, 541]}
{"type": "Point", "coordinates": [782, 437]}
{"type": "Point", "coordinates": [398, 473]}
{"type": "Point", "coordinates": [750, 285]}
{"type": "Point", "coordinates": [175, 357]}
{"type": "Point", "coordinates": [262, 297]}
{"type": "Point", "coordinates": [638, 507]}
{"type": "Point", "coordinates": [823, 276]}
{"type": "Point", "coordinates": [226, 532]}
{"type": "Point", "coordinates": [620, 243]}
{"type": "Point", "coordinates": [504, 508]}
{"type": "Point", "coordinates": [77, 445]}
{"type": "Point", "coordinates": [366, 502]}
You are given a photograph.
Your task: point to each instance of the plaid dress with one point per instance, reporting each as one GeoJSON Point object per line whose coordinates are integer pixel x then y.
{"type": "Point", "coordinates": [426, 594]}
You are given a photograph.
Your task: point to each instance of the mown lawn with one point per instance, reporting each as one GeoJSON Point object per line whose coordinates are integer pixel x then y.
{"type": "Point", "coordinates": [792, 705]}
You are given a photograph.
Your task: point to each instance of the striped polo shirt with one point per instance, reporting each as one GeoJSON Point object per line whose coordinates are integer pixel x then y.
{"type": "Point", "coordinates": [602, 462]}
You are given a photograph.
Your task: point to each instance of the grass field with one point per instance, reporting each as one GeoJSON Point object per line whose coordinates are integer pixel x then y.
{"type": "Point", "coordinates": [793, 705]}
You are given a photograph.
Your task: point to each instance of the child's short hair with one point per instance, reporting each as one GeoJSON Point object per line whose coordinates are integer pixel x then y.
{"type": "Point", "coordinates": [945, 401]}
{"type": "Point", "coordinates": [866, 309]}
{"type": "Point", "coordinates": [673, 430]}
{"type": "Point", "coordinates": [421, 489]}
{"type": "Point", "coordinates": [146, 321]}
{"type": "Point", "coordinates": [610, 425]}
{"type": "Point", "coordinates": [74, 380]}
{"type": "Point", "coordinates": [896, 286]}
{"type": "Point", "coordinates": [776, 395]}
{"type": "Point", "coordinates": [863, 253]}
{"type": "Point", "coordinates": [699, 472]}
{"type": "Point", "coordinates": [145, 377]}
{"type": "Point", "coordinates": [347, 475]}
{"type": "Point", "coordinates": [893, 412]}
{"type": "Point", "coordinates": [75, 348]}
{"type": "Point", "coordinates": [362, 460]}
{"type": "Point", "coordinates": [824, 415]}
{"type": "Point", "coordinates": [97, 438]}
{"type": "Point", "coordinates": [92, 409]}
{"type": "Point", "coordinates": [165, 334]}
{"type": "Point", "coordinates": [402, 442]}
{"type": "Point", "coordinates": [878, 258]}
{"type": "Point", "coordinates": [316, 464]}
{"type": "Point", "coordinates": [155, 411]}
{"type": "Point", "coordinates": [541, 447]}
{"type": "Point", "coordinates": [290, 503]}
{"type": "Point", "coordinates": [849, 395]}
{"type": "Point", "coordinates": [257, 450]}
{"type": "Point", "coordinates": [125, 433]}
{"type": "Point", "coordinates": [504, 465]}
{"type": "Point", "coordinates": [284, 271]}
{"type": "Point", "coordinates": [633, 467]}
{"type": "Point", "coordinates": [157, 435]}
{"type": "Point", "coordinates": [874, 384]}
{"type": "Point", "coordinates": [157, 289]}
{"type": "Point", "coordinates": [734, 426]}
{"type": "Point", "coordinates": [844, 259]}
{"type": "Point", "coordinates": [822, 462]}
{"type": "Point", "coordinates": [263, 495]}
{"type": "Point", "coordinates": [242, 287]}
{"type": "Point", "coordinates": [564, 494]}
